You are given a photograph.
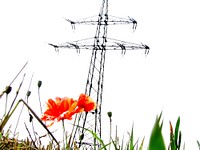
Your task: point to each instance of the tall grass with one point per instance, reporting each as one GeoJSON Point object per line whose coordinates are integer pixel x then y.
{"type": "Point", "coordinates": [11, 141]}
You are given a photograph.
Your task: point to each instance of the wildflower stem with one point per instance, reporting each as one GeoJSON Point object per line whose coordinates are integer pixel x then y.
{"type": "Point", "coordinates": [79, 117]}
{"type": "Point", "coordinates": [110, 118]}
{"type": "Point", "coordinates": [17, 92]}
{"type": "Point", "coordinates": [39, 99]}
{"type": "Point", "coordinates": [14, 79]}
{"type": "Point", "coordinates": [18, 119]}
{"type": "Point", "coordinates": [30, 135]}
{"type": "Point", "coordinates": [19, 72]}
{"type": "Point", "coordinates": [63, 125]}
{"type": "Point", "coordinates": [6, 104]}
{"type": "Point", "coordinates": [83, 129]}
{"type": "Point", "coordinates": [27, 95]}
{"type": "Point", "coordinates": [72, 131]}
{"type": "Point", "coordinates": [7, 91]}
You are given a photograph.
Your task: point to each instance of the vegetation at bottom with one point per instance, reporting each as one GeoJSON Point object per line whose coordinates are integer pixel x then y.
{"type": "Point", "coordinates": [60, 109]}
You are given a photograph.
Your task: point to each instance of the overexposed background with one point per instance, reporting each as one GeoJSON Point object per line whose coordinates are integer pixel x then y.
{"type": "Point", "coordinates": [136, 88]}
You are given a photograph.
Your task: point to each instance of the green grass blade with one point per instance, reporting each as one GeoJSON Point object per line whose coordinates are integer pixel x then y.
{"type": "Point", "coordinates": [179, 142]}
{"type": "Point", "coordinates": [176, 134]}
{"type": "Point", "coordinates": [122, 145]}
{"type": "Point", "coordinates": [1, 136]}
{"type": "Point", "coordinates": [172, 140]}
{"type": "Point", "coordinates": [198, 144]}
{"type": "Point", "coordinates": [114, 143]}
{"type": "Point", "coordinates": [141, 145]}
{"type": "Point", "coordinates": [98, 138]}
{"type": "Point", "coordinates": [104, 147]}
{"type": "Point", "coordinates": [156, 139]}
{"type": "Point", "coordinates": [131, 145]}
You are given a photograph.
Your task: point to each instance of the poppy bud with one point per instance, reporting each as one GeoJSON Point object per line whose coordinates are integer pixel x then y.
{"type": "Point", "coordinates": [81, 137]}
{"type": "Point", "coordinates": [28, 93]}
{"type": "Point", "coordinates": [109, 114]}
{"type": "Point", "coordinates": [39, 84]}
{"type": "Point", "coordinates": [30, 118]}
{"type": "Point", "coordinates": [8, 89]}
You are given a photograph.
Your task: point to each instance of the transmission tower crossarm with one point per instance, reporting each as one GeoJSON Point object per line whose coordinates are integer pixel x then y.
{"type": "Point", "coordinates": [112, 20]}
{"type": "Point", "coordinates": [111, 44]}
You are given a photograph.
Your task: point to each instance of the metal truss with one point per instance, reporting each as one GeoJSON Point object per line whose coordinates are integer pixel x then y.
{"type": "Point", "coordinates": [98, 45]}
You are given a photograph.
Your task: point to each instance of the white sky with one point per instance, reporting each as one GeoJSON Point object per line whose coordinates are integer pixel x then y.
{"type": "Point", "coordinates": [136, 88]}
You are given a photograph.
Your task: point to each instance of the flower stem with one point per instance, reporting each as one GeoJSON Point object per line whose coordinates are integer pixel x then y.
{"type": "Point", "coordinates": [63, 125]}
{"type": "Point", "coordinates": [72, 131]}
{"type": "Point", "coordinates": [39, 85]}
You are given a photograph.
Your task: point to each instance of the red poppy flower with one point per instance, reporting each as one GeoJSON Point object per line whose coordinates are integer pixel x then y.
{"type": "Point", "coordinates": [61, 108]}
{"type": "Point", "coordinates": [65, 108]}
{"type": "Point", "coordinates": [85, 103]}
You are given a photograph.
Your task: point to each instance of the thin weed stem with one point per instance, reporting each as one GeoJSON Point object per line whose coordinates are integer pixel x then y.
{"type": "Point", "coordinates": [6, 104]}
{"type": "Point", "coordinates": [39, 100]}
{"type": "Point", "coordinates": [72, 131]}
{"type": "Point", "coordinates": [83, 129]}
{"type": "Point", "coordinates": [18, 119]}
{"type": "Point", "coordinates": [79, 117]}
{"type": "Point", "coordinates": [17, 92]}
{"type": "Point", "coordinates": [64, 134]}
{"type": "Point", "coordinates": [110, 132]}
{"type": "Point", "coordinates": [30, 135]}
{"type": "Point", "coordinates": [26, 97]}
{"type": "Point", "coordinates": [31, 120]}
{"type": "Point", "coordinates": [19, 73]}
{"type": "Point", "coordinates": [110, 119]}
{"type": "Point", "coordinates": [14, 79]}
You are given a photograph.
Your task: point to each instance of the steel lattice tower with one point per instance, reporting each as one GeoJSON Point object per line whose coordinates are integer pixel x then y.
{"type": "Point", "coordinates": [99, 44]}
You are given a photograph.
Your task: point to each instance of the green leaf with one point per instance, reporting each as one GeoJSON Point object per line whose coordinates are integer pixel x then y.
{"type": "Point", "coordinates": [177, 132]}
{"type": "Point", "coordinates": [198, 144]}
{"type": "Point", "coordinates": [131, 145]}
{"type": "Point", "coordinates": [156, 139]}
{"type": "Point", "coordinates": [179, 142]}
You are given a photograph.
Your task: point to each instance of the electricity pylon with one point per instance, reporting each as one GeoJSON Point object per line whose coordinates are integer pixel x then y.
{"type": "Point", "coordinates": [99, 44]}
